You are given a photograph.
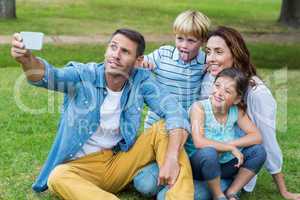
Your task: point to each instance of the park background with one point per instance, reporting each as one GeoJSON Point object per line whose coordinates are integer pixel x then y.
{"type": "Point", "coordinates": [78, 30]}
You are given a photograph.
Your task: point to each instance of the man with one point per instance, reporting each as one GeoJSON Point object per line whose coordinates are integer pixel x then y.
{"type": "Point", "coordinates": [96, 151]}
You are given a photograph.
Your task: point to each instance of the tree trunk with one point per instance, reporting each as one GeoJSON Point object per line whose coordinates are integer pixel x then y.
{"type": "Point", "coordinates": [7, 9]}
{"type": "Point", "coordinates": [290, 13]}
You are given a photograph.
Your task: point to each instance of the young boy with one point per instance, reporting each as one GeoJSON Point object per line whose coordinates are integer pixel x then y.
{"type": "Point", "coordinates": [178, 69]}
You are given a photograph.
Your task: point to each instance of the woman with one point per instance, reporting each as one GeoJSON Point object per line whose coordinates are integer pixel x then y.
{"type": "Point", "coordinates": [226, 48]}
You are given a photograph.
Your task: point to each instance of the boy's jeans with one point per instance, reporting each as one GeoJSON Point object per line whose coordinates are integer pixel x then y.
{"type": "Point", "coordinates": [146, 183]}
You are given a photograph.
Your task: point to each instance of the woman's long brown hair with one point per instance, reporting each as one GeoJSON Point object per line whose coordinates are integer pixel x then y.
{"type": "Point", "coordinates": [238, 48]}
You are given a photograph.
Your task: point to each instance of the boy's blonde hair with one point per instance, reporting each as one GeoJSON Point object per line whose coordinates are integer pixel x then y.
{"type": "Point", "coordinates": [193, 23]}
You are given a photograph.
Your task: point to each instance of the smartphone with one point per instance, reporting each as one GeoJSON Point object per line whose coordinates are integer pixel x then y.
{"type": "Point", "coordinates": [32, 40]}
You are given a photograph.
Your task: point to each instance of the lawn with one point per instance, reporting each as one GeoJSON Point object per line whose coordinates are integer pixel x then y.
{"type": "Point", "coordinates": [265, 55]}
{"type": "Point", "coordinates": [90, 17]}
{"type": "Point", "coordinates": [26, 138]}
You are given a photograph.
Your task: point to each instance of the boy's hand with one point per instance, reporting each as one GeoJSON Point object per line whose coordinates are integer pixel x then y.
{"type": "Point", "coordinates": [146, 64]}
{"type": "Point", "coordinates": [206, 67]}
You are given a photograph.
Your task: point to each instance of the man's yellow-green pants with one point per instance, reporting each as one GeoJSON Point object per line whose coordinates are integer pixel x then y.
{"type": "Point", "coordinates": [99, 175]}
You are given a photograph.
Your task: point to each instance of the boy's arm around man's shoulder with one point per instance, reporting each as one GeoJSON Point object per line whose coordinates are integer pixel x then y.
{"type": "Point", "coordinates": [153, 60]}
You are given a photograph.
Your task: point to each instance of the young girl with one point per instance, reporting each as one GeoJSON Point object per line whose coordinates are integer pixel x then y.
{"type": "Point", "coordinates": [212, 148]}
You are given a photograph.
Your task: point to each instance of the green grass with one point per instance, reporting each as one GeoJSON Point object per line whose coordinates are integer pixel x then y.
{"type": "Point", "coordinates": [26, 138]}
{"type": "Point", "coordinates": [90, 17]}
{"type": "Point", "coordinates": [264, 55]}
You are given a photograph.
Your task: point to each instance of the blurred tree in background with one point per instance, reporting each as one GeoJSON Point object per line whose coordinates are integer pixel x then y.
{"type": "Point", "coordinates": [7, 8]}
{"type": "Point", "coordinates": [290, 13]}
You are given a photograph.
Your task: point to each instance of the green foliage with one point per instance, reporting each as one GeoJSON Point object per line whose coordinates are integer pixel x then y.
{"type": "Point", "coordinates": [273, 56]}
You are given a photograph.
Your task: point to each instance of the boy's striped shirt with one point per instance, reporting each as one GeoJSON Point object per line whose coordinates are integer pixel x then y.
{"type": "Point", "coordinates": [183, 80]}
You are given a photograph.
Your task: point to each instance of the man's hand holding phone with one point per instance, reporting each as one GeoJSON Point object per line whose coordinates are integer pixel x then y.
{"type": "Point", "coordinates": [23, 42]}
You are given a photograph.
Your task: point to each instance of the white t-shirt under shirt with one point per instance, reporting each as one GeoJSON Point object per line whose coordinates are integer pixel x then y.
{"type": "Point", "coordinates": [107, 134]}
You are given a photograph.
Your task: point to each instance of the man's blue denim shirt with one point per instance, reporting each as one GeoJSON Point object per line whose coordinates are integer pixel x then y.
{"type": "Point", "coordinates": [84, 89]}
